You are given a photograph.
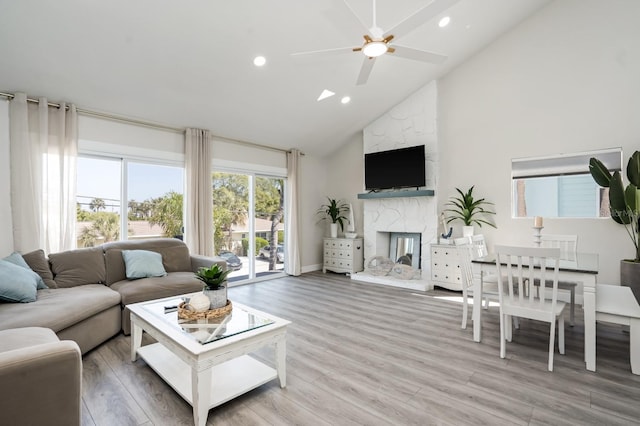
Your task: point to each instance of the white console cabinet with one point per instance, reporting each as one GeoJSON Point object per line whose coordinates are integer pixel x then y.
{"type": "Point", "coordinates": [445, 267]}
{"type": "Point", "coordinates": [343, 255]}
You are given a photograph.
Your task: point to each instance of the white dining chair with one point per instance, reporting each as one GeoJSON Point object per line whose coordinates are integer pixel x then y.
{"type": "Point", "coordinates": [617, 304]}
{"type": "Point", "coordinates": [466, 252]}
{"type": "Point", "coordinates": [568, 245]}
{"type": "Point", "coordinates": [521, 267]}
{"type": "Point", "coordinates": [464, 248]}
{"type": "Point", "coordinates": [489, 280]}
{"type": "Point", "coordinates": [478, 248]}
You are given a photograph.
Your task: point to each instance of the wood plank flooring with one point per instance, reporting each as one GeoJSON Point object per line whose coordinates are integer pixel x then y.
{"type": "Point", "coordinates": [360, 353]}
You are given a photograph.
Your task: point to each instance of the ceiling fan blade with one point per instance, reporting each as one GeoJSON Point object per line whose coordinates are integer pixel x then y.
{"type": "Point", "coordinates": [417, 55]}
{"type": "Point", "coordinates": [326, 52]}
{"type": "Point", "coordinates": [367, 66]}
{"type": "Point", "coordinates": [420, 17]}
{"type": "Point", "coordinates": [356, 17]}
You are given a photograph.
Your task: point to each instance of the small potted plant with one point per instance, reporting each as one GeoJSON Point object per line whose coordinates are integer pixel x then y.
{"type": "Point", "coordinates": [336, 211]}
{"type": "Point", "coordinates": [214, 281]}
{"type": "Point", "coordinates": [469, 210]}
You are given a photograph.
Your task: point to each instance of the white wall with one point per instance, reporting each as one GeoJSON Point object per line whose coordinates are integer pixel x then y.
{"type": "Point", "coordinates": [565, 80]}
{"type": "Point", "coordinates": [314, 172]}
{"type": "Point", "coordinates": [6, 223]}
{"type": "Point", "coordinates": [345, 178]}
{"type": "Point", "coordinates": [339, 175]}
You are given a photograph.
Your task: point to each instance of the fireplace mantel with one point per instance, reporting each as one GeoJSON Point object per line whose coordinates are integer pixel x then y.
{"type": "Point", "coordinates": [397, 194]}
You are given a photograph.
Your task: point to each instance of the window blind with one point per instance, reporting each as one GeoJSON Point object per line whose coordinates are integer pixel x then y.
{"type": "Point", "coordinates": [564, 164]}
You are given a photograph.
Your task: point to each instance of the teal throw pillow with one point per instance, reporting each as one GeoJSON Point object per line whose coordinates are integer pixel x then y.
{"type": "Point", "coordinates": [16, 283]}
{"type": "Point", "coordinates": [143, 264]}
{"type": "Point", "coordinates": [17, 259]}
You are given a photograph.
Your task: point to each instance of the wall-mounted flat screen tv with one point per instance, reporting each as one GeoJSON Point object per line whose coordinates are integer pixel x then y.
{"type": "Point", "coordinates": [397, 168]}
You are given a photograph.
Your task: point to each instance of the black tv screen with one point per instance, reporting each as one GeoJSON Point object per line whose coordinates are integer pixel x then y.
{"type": "Point", "coordinates": [398, 168]}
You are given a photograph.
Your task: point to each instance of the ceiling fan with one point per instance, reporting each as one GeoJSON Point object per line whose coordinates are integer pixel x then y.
{"type": "Point", "coordinates": [378, 42]}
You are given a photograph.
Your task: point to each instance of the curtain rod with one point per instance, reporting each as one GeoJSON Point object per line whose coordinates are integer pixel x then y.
{"type": "Point", "coordinates": [143, 123]}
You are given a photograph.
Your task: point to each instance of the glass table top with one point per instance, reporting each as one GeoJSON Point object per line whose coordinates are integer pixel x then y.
{"type": "Point", "coordinates": [207, 330]}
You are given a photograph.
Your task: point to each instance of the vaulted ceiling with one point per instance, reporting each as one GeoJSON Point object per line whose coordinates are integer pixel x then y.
{"type": "Point", "coordinates": [190, 63]}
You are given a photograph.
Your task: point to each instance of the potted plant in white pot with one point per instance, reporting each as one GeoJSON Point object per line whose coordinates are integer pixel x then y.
{"type": "Point", "coordinates": [624, 205]}
{"type": "Point", "coordinates": [334, 210]}
{"type": "Point", "coordinates": [469, 210]}
{"type": "Point", "coordinates": [214, 281]}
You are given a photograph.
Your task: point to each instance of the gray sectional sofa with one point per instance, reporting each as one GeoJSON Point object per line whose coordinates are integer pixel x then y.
{"type": "Point", "coordinates": [88, 289]}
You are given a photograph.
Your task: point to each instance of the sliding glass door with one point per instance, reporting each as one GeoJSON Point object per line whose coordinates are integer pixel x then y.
{"type": "Point", "coordinates": [248, 217]}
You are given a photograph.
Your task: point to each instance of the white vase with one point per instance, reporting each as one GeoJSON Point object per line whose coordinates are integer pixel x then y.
{"type": "Point", "coordinates": [217, 298]}
{"type": "Point", "coordinates": [467, 231]}
{"type": "Point", "coordinates": [334, 230]}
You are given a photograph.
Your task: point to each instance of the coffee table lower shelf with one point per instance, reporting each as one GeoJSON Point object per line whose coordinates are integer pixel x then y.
{"type": "Point", "coordinates": [229, 379]}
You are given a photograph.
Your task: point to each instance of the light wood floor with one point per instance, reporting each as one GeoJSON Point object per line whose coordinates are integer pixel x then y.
{"type": "Point", "coordinates": [365, 354]}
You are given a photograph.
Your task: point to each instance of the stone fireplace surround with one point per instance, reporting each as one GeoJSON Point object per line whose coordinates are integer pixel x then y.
{"type": "Point", "coordinates": [412, 122]}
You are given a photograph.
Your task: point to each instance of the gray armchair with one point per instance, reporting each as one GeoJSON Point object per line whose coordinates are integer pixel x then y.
{"type": "Point", "coordinates": [40, 378]}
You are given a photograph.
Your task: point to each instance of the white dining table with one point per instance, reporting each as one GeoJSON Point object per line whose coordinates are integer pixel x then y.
{"type": "Point", "coordinates": [583, 269]}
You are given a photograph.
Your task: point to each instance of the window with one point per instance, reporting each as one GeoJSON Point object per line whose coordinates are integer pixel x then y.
{"type": "Point", "coordinates": [561, 186]}
{"type": "Point", "coordinates": [154, 193]}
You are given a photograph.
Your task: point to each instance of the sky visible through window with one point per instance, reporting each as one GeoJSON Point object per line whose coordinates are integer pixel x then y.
{"type": "Point", "coordinates": [100, 178]}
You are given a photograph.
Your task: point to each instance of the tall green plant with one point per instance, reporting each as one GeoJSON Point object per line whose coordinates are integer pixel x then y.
{"type": "Point", "coordinates": [334, 210]}
{"type": "Point", "coordinates": [469, 210]}
{"type": "Point", "coordinates": [624, 203]}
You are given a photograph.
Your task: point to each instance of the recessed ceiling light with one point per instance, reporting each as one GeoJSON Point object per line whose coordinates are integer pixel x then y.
{"type": "Point", "coordinates": [345, 99]}
{"type": "Point", "coordinates": [444, 21]}
{"type": "Point", "coordinates": [325, 94]}
{"type": "Point", "coordinates": [259, 61]}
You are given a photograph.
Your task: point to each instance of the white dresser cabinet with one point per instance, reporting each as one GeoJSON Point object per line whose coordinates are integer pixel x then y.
{"type": "Point", "coordinates": [343, 255]}
{"type": "Point", "coordinates": [445, 267]}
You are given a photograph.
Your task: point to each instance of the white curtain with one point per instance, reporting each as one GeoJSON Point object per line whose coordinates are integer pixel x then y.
{"type": "Point", "coordinates": [44, 150]}
{"type": "Point", "coordinates": [199, 199]}
{"type": "Point", "coordinates": [292, 231]}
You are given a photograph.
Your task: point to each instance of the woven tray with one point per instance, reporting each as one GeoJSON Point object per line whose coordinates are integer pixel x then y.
{"type": "Point", "coordinates": [211, 313]}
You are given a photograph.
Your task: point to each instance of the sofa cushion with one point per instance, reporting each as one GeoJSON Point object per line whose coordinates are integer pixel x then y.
{"type": "Point", "coordinates": [59, 308]}
{"type": "Point", "coordinates": [17, 259]}
{"type": "Point", "coordinates": [77, 267]}
{"type": "Point", "coordinates": [39, 263]}
{"type": "Point", "coordinates": [173, 284]}
{"type": "Point", "coordinates": [143, 264]}
{"type": "Point", "coordinates": [175, 256]}
{"type": "Point", "coordinates": [17, 284]}
{"type": "Point", "coordinates": [19, 338]}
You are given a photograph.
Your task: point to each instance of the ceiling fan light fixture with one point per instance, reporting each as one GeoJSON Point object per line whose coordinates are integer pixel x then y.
{"type": "Point", "coordinates": [375, 48]}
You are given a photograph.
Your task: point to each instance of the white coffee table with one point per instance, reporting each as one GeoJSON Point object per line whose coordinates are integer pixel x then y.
{"type": "Point", "coordinates": [207, 361]}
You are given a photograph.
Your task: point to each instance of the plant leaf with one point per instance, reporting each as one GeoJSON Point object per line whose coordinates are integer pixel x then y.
{"type": "Point", "coordinates": [617, 201]}
{"type": "Point", "coordinates": [633, 169]}
{"type": "Point", "coordinates": [599, 172]}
